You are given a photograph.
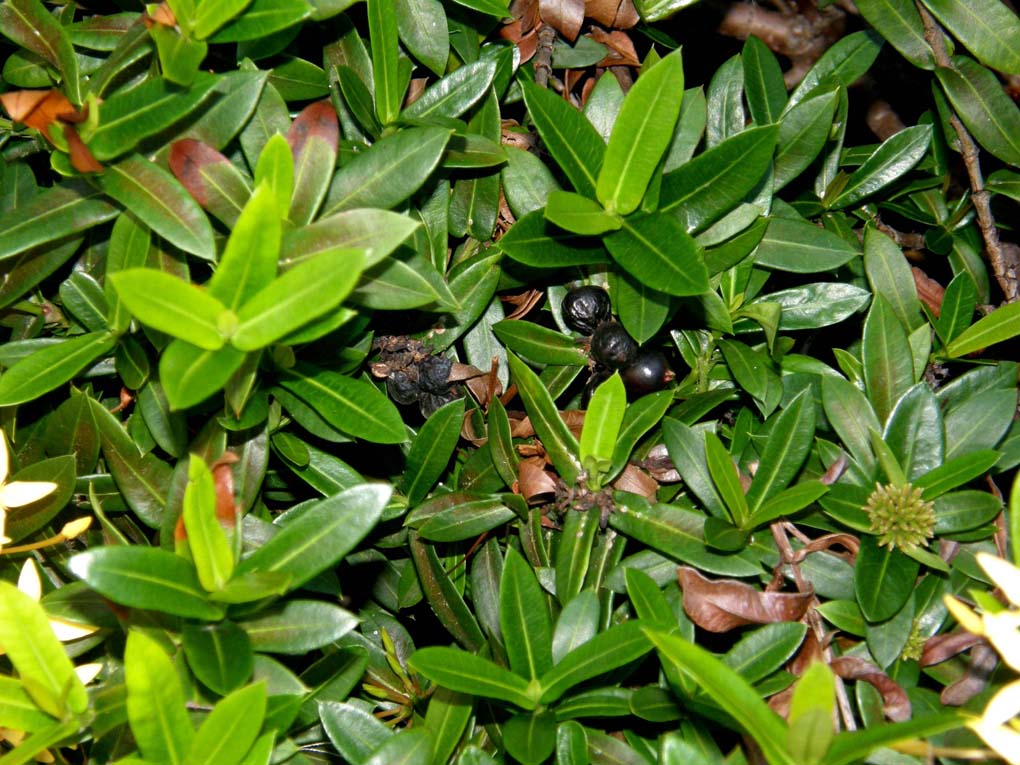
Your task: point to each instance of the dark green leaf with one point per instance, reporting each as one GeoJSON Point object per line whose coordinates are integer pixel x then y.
{"type": "Point", "coordinates": [817, 305]}
{"type": "Point", "coordinates": [534, 242]}
{"type": "Point", "coordinates": [1001, 324]}
{"type": "Point", "coordinates": [763, 82]}
{"type": "Point", "coordinates": [298, 626]}
{"type": "Point", "coordinates": [914, 432]}
{"type": "Point", "coordinates": [987, 27]}
{"type": "Point", "coordinates": [899, 22]}
{"type": "Point", "coordinates": [355, 732]}
{"type": "Point", "coordinates": [842, 64]}
{"type": "Point", "coordinates": [446, 600]}
{"type": "Point", "coordinates": [618, 645]}
{"type": "Point", "coordinates": [53, 214]}
{"type": "Point", "coordinates": [890, 162]}
{"type": "Point", "coordinates": [461, 671]}
{"type": "Point", "coordinates": [890, 276]}
{"type": "Point", "coordinates": [764, 650]}
{"type": "Point", "coordinates": [262, 18]}
{"type": "Point", "coordinates": [524, 619]}
{"type": "Point", "coordinates": [802, 135]}
{"type": "Point", "coordinates": [656, 250]}
{"type": "Point", "coordinates": [424, 32]}
{"type": "Point", "coordinates": [752, 370]}
{"type": "Point", "coordinates": [431, 451]}
{"type": "Point", "coordinates": [978, 423]}
{"type": "Point", "coordinates": [884, 579]}
{"type": "Point", "coordinates": [801, 247]}
{"type": "Point", "coordinates": [790, 438]}
{"type": "Point", "coordinates": [220, 655]}
{"type": "Point", "coordinates": [52, 366]}
{"type": "Point", "coordinates": [538, 343]}
{"type": "Point", "coordinates": [965, 510]}
{"type": "Point", "coordinates": [530, 739]}
{"type": "Point", "coordinates": [30, 24]}
{"type": "Point", "coordinates": [888, 366]}
{"type": "Point", "coordinates": [454, 94]}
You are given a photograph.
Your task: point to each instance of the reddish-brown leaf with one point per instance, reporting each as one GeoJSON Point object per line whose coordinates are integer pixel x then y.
{"type": "Point", "coordinates": [636, 481]}
{"type": "Point", "coordinates": [941, 647]}
{"type": "Point", "coordinates": [894, 698]}
{"type": "Point", "coordinates": [565, 15]}
{"type": "Point", "coordinates": [223, 482]}
{"type": "Point", "coordinates": [317, 120]}
{"type": "Point", "coordinates": [40, 108]}
{"type": "Point", "coordinates": [615, 14]}
{"type": "Point", "coordinates": [827, 541]}
{"type": "Point", "coordinates": [983, 660]}
{"type": "Point", "coordinates": [721, 605]}
{"type": "Point", "coordinates": [187, 158]}
{"type": "Point", "coordinates": [159, 14]}
{"type": "Point", "coordinates": [81, 158]}
{"type": "Point", "coordinates": [622, 51]}
{"type": "Point", "coordinates": [929, 291]}
{"type": "Point", "coordinates": [533, 482]}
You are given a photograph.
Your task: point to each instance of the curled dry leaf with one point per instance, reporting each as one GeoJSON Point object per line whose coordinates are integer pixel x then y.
{"type": "Point", "coordinates": [521, 427]}
{"type": "Point", "coordinates": [615, 14]}
{"type": "Point", "coordinates": [721, 605]}
{"type": "Point", "coordinates": [42, 109]}
{"type": "Point", "coordinates": [895, 702]}
{"type": "Point", "coordinates": [825, 543]}
{"type": "Point", "coordinates": [835, 470]}
{"type": "Point", "coordinates": [938, 648]}
{"type": "Point", "coordinates": [622, 51]}
{"type": "Point", "coordinates": [636, 481]}
{"type": "Point", "coordinates": [659, 465]}
{"type": "Point", "coordinates": [983, 660]}
{"type": "Point", "coordinates": [159, 14]}
{"type": "Point", "coordinates": [522, 302]}
{"type": "Point", "coordinates": [81, 158]}
{"type": "Point", "coordinates": [534, 483]}
{"type": "Point", "coordinates": [929, 291]}
{"type": "Point", "coordinates": [566, 16]}
{"type": "Point", "coordinates": [526, 14]}
{"type": "Point", "coordinates": [316, 120]}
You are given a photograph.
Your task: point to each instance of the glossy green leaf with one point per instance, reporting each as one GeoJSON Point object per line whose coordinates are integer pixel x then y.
{"type": "Point", "coordinates": [1001, 324]}
{"type": "Point", "coordinates": [446, 599]}
{"type": "Point", "coordinates": [812, 706]}
{"type": "Point", "coordinates": [352, 405]}
{"type": "Point", "coordinates": [557, 439]}
{"type": "Point", "coordinates": [29, 24]}
{"type": "Point", "coordinates": [964, 510]}
{"type": "Point", "coordinates": [803, 132]}
{"type": "Point", "coordinates": [424, 32]}
{"type": "Point", "coordinates": [214, 181]}
{"type": "Point", "coordinates": [17, 709]}
{"type": "Point", "coordinates": [883, 579]}
{"type": "Point", "coordinates": [210, 549]}
{"type": "Point", "coordinates": [52, 366]}
{"type": "Point", "coordinates": [526, 182]}
{"type": "Point", "coordinates": [298, 626]}
{"type": "Point", "coordinates": [958, 304]}
{"type": "Point", "coordinates": [899, 22]}
{"type": "Point", "coordinates": [219, 654]}
{"type": "Point", "coordinates": [275, 171]}
{"type": "Point", "coordinates": [406, 747]}
{"type": "Point", "coordinates": [850, 414]}
{"type": "Point", "coordinates": [914, 432]}
{"type": "Point", "coordinates": [725, 100]}
{"type": "Point", "coordinates": [888, 367]}
{"type": "Point", "coordinates": [763, 82]}
{"type": "Point", "coordinates": [262, 18]}
{"type": "Point", "coordinates": [573, 558]}
{"type": "Point", "coordinates": [818, 305]}
{"type": "Point", "coordinates": [578, 622]}
{"type": "Point", "coordinates": [248, 263]}
{"type": "Point", "coordinates": [321, 536]}
{"type": "Point", "coordinates": [231, 728]}
{"type": "Point", "coordinates": [752, 370]}
{"type": "Point", "coordinates": [191, 374]}
{"type": "Point", "coordinates": [400, 283]}
{"type": "Point", "coordinates": [842, 64]}
{"type": "Point", "coordinates": [53, 214]}
{"type": "Point", "coordinates": [615, 647]}
{"type": "Point", "coordinates": [764, 650]}
{"type": "Point", "coordinates": [988, 28]}
{"type": "Point", "coordinates": [979, 423]}
{"type": "Point", "coordinates": [571, 140]}
{"type": "Point", "coordinates": [890, 276]}
{"type": "Point", "coordinates": [530, 739]}
{"type": "Point", "coordinates": [687, 450]}
{"type": "Point", "coordinates": [155, 701]}
{"type": "Point", "coordinates": [171, 305]}
{"type": "Point", "coordinates": [354, 731]}
{"type": "Point", "coordinates": [376, 232]}
{"type": "Point", "coordinates": [579, 215]}
{"type": "Point", "coordinates": [431, 450]}
{"type": "Point", "coordinates": [801, 247]}
{"type": "Point", "coordinates": [156, 197]}
{"type": "Point", "coordinates": [388, 172]}
{"type": "Point", "coordinates": [145, 577]}
{"type": "Point", "coordinates": [641, 134]}
{"type": "Point", "coordinates": [890, 162]}
{"type": "Point", "coordinates": [956, 472]}
{"type": "Point", "coordinates": [524, 619]}
{"type": "Point", "coordinates": [713, 183]}
{"type": "Point", "coordinates": [726, 479]}
{"type": "Point", "coordinates": [538, 343]}
{"type": "Point", "coordinates": [533, 241]}
{"type": "Point", "coordinates": [790, 438]}
{"type": "Point", "coordinates": [453, 95]}
{"type": "Point", "coordinates": [382, 25]}
{"type": "Point", "coordinates": [461, 671]}
{"type": "Point", "coordinates": [210, 16]}
{"type": "Point", "coordinates": [640, 417]}
{"type": "Point", "coordinates": [83, 298]}
{"type": "Point", "coordinates": [301, 294]}
{"type": "Point", "coordinates": [602, 424]}
{"type": "Point", "coordinates": [136, 113]}
{"type": "Point", "coordinates": [656, 250]}
{"type": "Point", "coordinates": [731, 691]}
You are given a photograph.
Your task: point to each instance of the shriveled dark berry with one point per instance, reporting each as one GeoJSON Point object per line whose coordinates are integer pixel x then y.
{"type": "Point", "coordinates": [645, 374]}
{"type": "Point", "coordinates": [402, 388]}
{"type": "Point", "coordinates": [611, 346]}
{"type": "Point", "coordinates": [584, 308]}
{"type": "Point", "coordinates": [434, 374]}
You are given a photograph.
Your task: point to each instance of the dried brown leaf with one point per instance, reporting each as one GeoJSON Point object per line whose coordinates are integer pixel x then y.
{"type": "Point", "coordinates": [534, 483]}
{"type": "Point", "coordinates": [636, 481]}
{"type": "Point", "coordinates": [895, 702]}
{"type": "Point", "coordinates": [929, 291]}
{"type": "Point", "coordinates": [522, 302]}
{"type": "Point", "coordinates": [81, 158]}
{"type": "Point", "coordinates": [721, 605]}
{"type": "Point", "coordinates": [622, 51]}
{"type": "Point", "coordinates": [835, 470]}
{"type": "Point", "coordinates": [983, 659]}
{"type": "Point", "coordinates": [615, 14]}
{"type": "Point", "coordinates": [566, 16]}
{"type": "Point", "coordinates": [941, 647]}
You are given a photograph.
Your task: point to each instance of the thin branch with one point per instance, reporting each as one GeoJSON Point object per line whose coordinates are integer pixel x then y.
{"type": "Point", "coordinates": [1005, 271]}
{"type": "Point", "coordinates": [543, 54]}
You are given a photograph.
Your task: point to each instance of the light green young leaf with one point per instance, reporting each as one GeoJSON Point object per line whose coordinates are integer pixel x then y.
{"type": "Point", "coordinates": [155, 701]}
{"type": "Point", "coordinates": [248, 263]}
{"type": "Point", "coordinates": [210, 549]}
{"type": "Point", "coordinates": [275, 169]}
{"type": "Point", "coordinates": [172, 305]}
{"type": "Point", "coordinates": [602, 424]}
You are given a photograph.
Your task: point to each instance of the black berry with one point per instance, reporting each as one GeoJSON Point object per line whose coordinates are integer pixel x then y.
{"type": "Point", "coordinates": [645, 374]}
{"type": "Point", "coordinates": [585, 308]}
{"type": "Point", "coordinates": [611, 346]}
{"type": "Point", "coordinates": [434, 374]}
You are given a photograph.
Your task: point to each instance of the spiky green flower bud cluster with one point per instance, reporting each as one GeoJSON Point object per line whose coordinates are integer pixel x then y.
{"type": "Point", "coordinates": [899, 517]}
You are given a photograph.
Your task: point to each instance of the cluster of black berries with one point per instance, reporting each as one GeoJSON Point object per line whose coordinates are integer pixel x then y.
{"type": "Point", "coordinates": [413, 375]}
{"type": "Point", "coordinates": [588, 310]}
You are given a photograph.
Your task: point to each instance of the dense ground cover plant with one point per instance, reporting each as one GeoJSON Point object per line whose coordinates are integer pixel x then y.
{"type": "Point", "coordinates": [433, 382]}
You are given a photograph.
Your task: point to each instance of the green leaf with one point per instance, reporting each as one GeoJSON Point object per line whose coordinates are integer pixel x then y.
{"type": "Point", "coordinates": [956, 472]}
{"type": "Point", "coordinates": [964, 510]}
{"type": "Point", "coordinates": [899, 22]}
{"type": "Point", "coordinates": [914, 432]}
{"type": "Point", "coordinates": [530, 739]}
{"type": "Point", "coordinates": [155, 701]}
{"type": "Point", "coordinates": [556, 437]}
{"type": "Point", "coordinates": [248, 263]}
{"type": "Point", "coordinates": [850, 747]}
{"type": "Point", "coordinates": [570, 138]}
{"type": "Point", "coordinates": [445, 598]}
{"type": "Point", "coordinates": [687, 450]}
{"type": "Point", "coordinates": [424, 32]}
{"type": "Point", "coordinates": [1001, 324]}
{"type": "Point", "coordinates": [261, 19]}
{"type": "Point", "coordinates": [231, 728]}
{"type": "Point", "coordinates": [526, 182]}
{"type": "Point", "coordinates": [45, 671]}
{"type": "Point", "coordinates": [467, 520]}
{"type": "Point", "coordinates": [219, 654]}
{"type": "Point", "coordinates": [602, 424]}
{"type": "Point", "coordinates": [321, 535]}
{"type": "Point", "coordinates": [389, 171]}
{"type": "Point", "coordinates": [764, 650]}
{"type": "Point", "coordinates": [817, 305]}
{"type": "Point", "coordinates": [726, 479]}
{"type": "Point", "coordinates": [454, 94]}
{"type": "Point", "coordinates": [730, 691]}
{"type": "Point", "coordinates": [191, 374]}
{"type": "Point", "coordinates": [354, 406]}
{"type": "Point", "coordinates": [801, 247]}
{"type": "Point", "coordinates": [763, 82]}
{"type": "Point", "coordinates": [212, 179]}
{"type": "Point", "coordinates": [888, 366]}
{"type": "Point", "coordinates": [145, 577]}
{"type": "Point", "coordinates": [657, 251]}
{"type": "Point", "coordinates": [752, 370]}
{"type": "Point", "coordinates": [83, 297]}
{"type": "Point", "coordinates": [18, 711]}
{"type": "Point", "coordinates": [538, 343]}
{"type": "Point", "coordinates": [305, 292]}
{"type": "Point", "coordinates": [890, 276]}
{"type": "Point", "coordinates": [30, 24]}
{"type": "Point", "coordinates": [172, 305]}
{"type": "Point", "coordinates": [842, 64]}
{"type": "Point", "coordinates": [179, 56]}
{"type": "Point", "coordinates": [790, 437]}
{"type": "Point", "coordinates": [615, 647]}
{"type": "Point", "coordinates": [890, 162]}
{"type": "Point", "coordinates": [812, 706]}
{"type": "Point", "coordinates": [462, 671]}
{"type": "Point", "coordinates": [53, 214]}
{"type": "Point", "coordinates": [958, 304]}
{"type": "Point", "coordinates": [533, 242]}
{"type": "Point", "coordinates": [355, 732]}
{"type": "Point", "coordinates": [980, 422]}
{"type": "Point", "coordinates": [790, 501]}
{"type": "Point", "coordinates": [431, 451]}
{"type": "Point", "coordinates": [406, 747]}
{"type": "Point", "coordinates": [713, 183]}
{"type": "Point", "coordinates": [214, 560]}
{"type": "Point", "coordinates": [641, 134]}
{"type": "Point", "coordinates": [524, 619]}
{"type": "Point", "coordinates": [989, 29]}
{"type": "Point", "coordinates": [298, 626]}
{"type": "Point", "coordinates": [497, 8]}
{"type": "Point", "coordinates": [157, 198]}
{"type": "Point", "coordinates": [803, 131]}
{"type": "Point", "coordinates": [52, 366]}
{"type": "Point", "coordinates": [850, 414]}
{"type": "Point", "coordinates": [725, 102]}
{"type": "Point", "coordinates": [132, 114]}
{"type": "Point", "coordinates": [376, 232]}
{"type": "Point", "coordinates": [400, 283]}
{"type": "Point", "coordinates": [382, 25]}
{"type": "Point", "coordinates": [884, 579]}
{"type": "Point", "coordinates": [275, 170]}
{"type": "Point", "coordinates": [212, 14]}
{"type": "Point", "coordinates": [579, 215]}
